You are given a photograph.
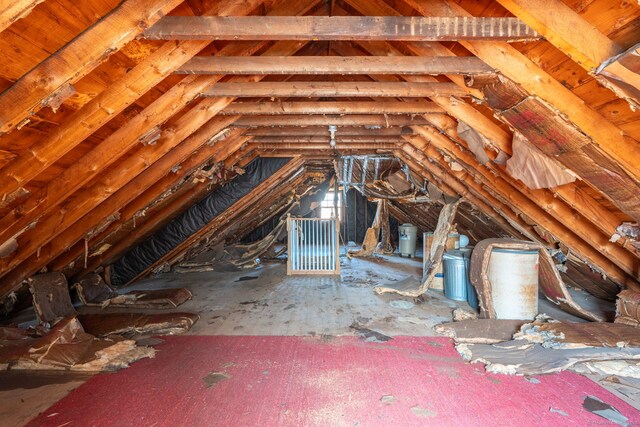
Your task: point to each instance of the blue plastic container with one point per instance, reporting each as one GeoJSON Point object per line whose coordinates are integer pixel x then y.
{"type": "Point", "coordinates": [472, 296]}
{"type": "Point", "coordinates": [456, 276]}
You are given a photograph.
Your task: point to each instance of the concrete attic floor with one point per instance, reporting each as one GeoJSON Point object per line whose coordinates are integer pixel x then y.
{"type": "Point", "coordinates": [264, 301]}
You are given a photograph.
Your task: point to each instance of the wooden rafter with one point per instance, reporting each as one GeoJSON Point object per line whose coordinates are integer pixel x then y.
{"type": "Point", "coordinates": [308, 131]}
{"type": "Point", "coordinates": [263, 188]}
{"type": "Point", "coordinates": [113, 100]}
{"type": "Point", "coordinates": [54, 76]}
{"type": "Point", "coordinates": [339, 28]}
{"type": "Point", "coordinates": [576, 37]}
{"type": "Point", "coordinates": [557, 228]}
{"type": "Point", "coordinates": [343, 65]}
{"type": "Point", "coordinates": [148, 212]}
{"type": "Point", "coordinates": [69, 236]}
{"type": "Point", "coordinates": [121, 141]}
{"type": "Point", "coordinates": [58, 221]}
{"type": "Point", "coordinates": [335, 89]}
{"type": "Point", "coordinates": [327, 107]}
{"type": "Point", "coordinates": [455, 107]}
{"type": "Point", "coordinates": [533, 79]}
{"type": "Point", "coordinates": [93, 115]}
{"type": "Point", "coordinates": [372, 121]}
{"type": "Point", "coordinates": [12, 10]}
{"type": "Point", "coordinates": [544, 199]}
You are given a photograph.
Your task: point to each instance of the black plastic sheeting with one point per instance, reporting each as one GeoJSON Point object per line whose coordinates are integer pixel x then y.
{"type": "Point", "coordinates": [360, 214]}
{"type": "Point", "coordinates": [193, 219]}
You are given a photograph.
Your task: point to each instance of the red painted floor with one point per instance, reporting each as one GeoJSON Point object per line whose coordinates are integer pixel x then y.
{"type": "Point", "coordinates": [297, 381]}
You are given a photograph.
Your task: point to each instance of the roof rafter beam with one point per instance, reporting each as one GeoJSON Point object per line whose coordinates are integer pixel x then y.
{"type": "Point", "coordinates": [608, 138]}
{"type": "Point", "coordinates": [339, 28]}
{"type": "Point", "coordinates": [329, 65]}
{"type": "Point", "coordinates": [582, 230]}
{"type": "Point", "coordinates": [52, 79]}
{"type": "Point", "coordinates": [580, 40]}
{"type": "Point", "coordinates": [327, 107]}
{"type": "Point", "coordinates": [311, 131]}
{"type": "Point", "coordinates": [371, 121]}
{"type": "Point", "coordinates": [186, 125]}
{"type": "Point", "coordinates": [227, 215]}
{"type": "Point", "coordinates": [325, 138]}
{"type": "Point", "coordinates": [470, 190]}
{"type": "Point", "coordinates": [138, 218]}
{"type": "Point", "coordinates": [12, 10]}
{"type": "Point", "coordinates": [335, 89]}
{"type": "Point", "coordinates": [113, 100]}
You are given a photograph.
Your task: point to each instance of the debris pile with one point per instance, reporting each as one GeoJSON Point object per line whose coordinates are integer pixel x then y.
{"type": "Point", "coordinates": [67, 340]}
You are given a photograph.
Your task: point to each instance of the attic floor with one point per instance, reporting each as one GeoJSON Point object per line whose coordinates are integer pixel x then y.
{"type": "Point", "coordinates": [266, 302]}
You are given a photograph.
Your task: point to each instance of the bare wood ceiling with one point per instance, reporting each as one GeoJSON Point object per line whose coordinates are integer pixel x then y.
{"type": "Point", "coordinates": [106, 117]}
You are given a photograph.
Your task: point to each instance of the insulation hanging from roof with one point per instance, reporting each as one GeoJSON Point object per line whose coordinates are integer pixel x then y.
{"type": "Point", "coordinates": [475, 141]}
{"type": "Point", "coordinates": [534, 168]}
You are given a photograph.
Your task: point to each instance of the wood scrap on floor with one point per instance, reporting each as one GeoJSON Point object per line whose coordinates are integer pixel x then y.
{"type": "Point", "coordinates": [521, 357]}
{"type": "Point", "coordinates": [546, 346]}
{"type": "Point", "coordinates": [619, 368]}
{"type": "Point", "coordinates": [480, 331]}
{"type": "Point", "coordinates": [93, 291]}
{"type": "Point", "coordinates": [577, 335]}
{"type": "Point", "coordinates": [628, 308]}
{"type": "Point", "coordinates": [550, 281]}
{"type": "Point", "coordinates": [440, 236]}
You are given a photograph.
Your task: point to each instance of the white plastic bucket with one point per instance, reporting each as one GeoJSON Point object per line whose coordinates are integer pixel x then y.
{"type": "Point", "coordinates": [513, 275]}
{"type": "Point", "coordinates": [407, 241]}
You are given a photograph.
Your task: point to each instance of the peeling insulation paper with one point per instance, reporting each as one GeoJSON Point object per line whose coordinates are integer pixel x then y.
{"type": "Point", "coordinates": [533, 168]}
{"type": "Point", "coordinates": [475, 141]}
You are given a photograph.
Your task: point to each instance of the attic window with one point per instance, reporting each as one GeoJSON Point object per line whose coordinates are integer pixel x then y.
{"type": "Point", "coordinates": [327, 209]}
